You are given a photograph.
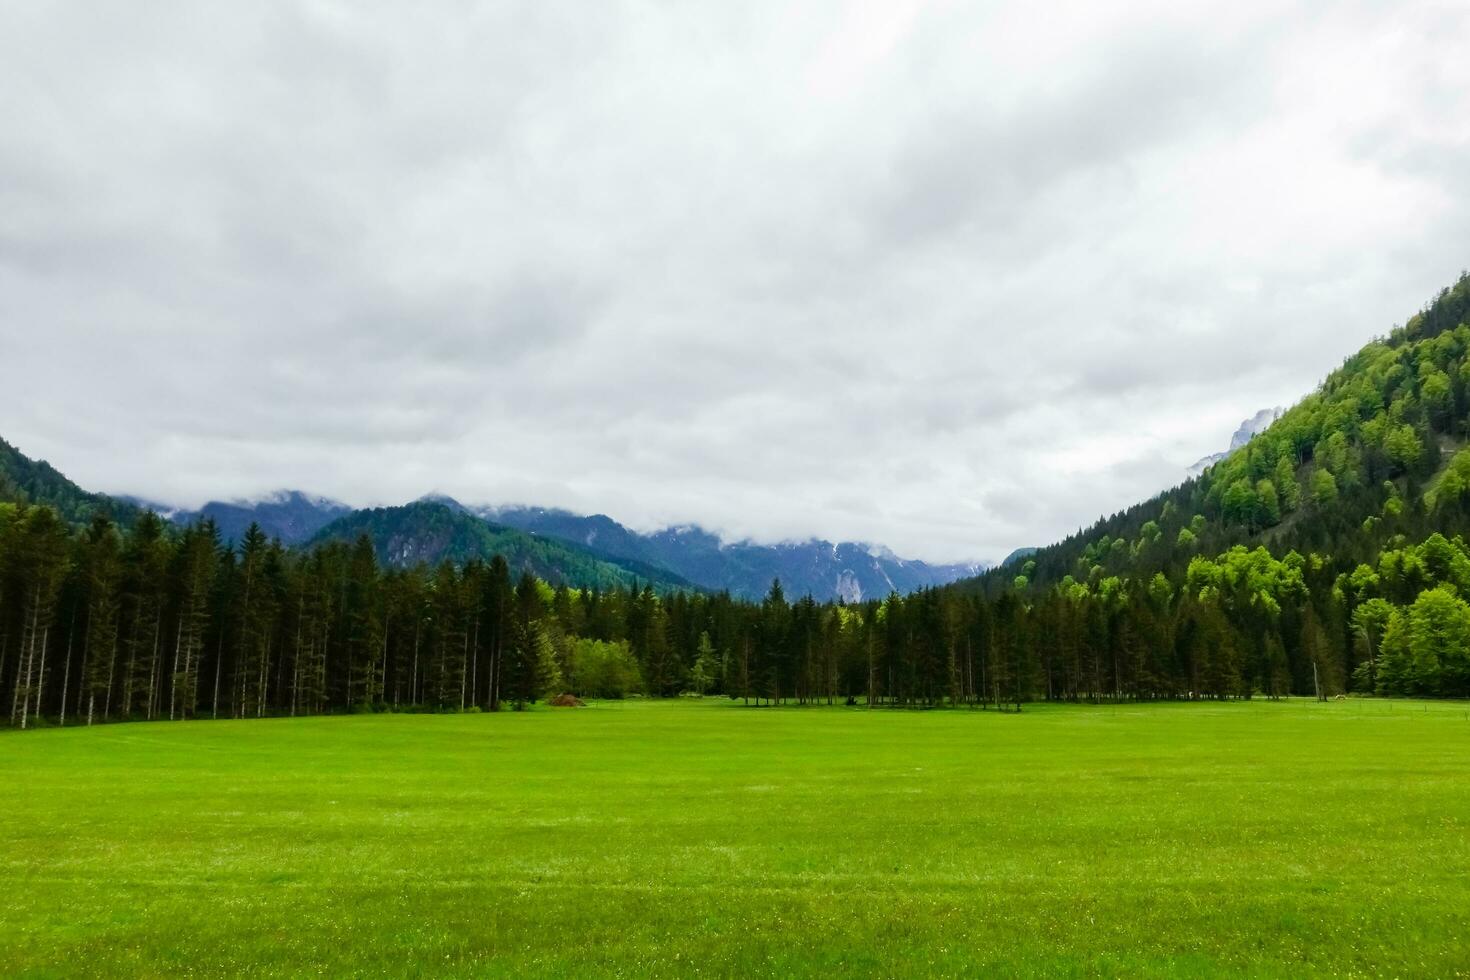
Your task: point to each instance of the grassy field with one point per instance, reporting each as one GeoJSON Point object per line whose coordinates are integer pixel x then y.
{"type": "Point", "coordinates": [1271, 839]}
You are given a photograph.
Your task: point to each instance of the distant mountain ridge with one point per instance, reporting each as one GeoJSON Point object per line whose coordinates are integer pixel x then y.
{"type": "Point", "coordinates": [291, 516]}
{"type": "Point", "coordinates": [556, 544]}
{"type": "Point", "coordinates": [430, 531]}
{"type": "Point", "coordinates": [847, 570]}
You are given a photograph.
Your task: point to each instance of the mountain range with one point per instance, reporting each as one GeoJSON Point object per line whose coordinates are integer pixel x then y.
{"type": "Point", "coordinates": [560, 546]}
{"type": "Point", "coordinates": [437, 526]}
{"type": "Point", "coordinates": [290, 516]}
{"type": "Point", "coordinates": [847, 570]}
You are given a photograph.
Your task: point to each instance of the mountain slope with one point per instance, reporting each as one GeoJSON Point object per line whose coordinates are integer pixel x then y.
{"type": "Point", "coordinates": [38, 482]}
{"type": "Point", "coordinates": [820, 568]}
{"type": "Point", "coordinates": [1376, 452]}
{"type": "Point", "coordinates": [289, 515]}
{"type": "Point", "coordinates": [431, 531]}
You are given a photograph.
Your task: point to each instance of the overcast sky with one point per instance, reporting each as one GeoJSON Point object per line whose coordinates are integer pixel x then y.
{"type": "Point", "coordinates": [949, 277]}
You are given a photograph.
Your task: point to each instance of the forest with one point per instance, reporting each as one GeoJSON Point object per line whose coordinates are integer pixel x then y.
{"type": "Point", "coordinates": [1325, 557]}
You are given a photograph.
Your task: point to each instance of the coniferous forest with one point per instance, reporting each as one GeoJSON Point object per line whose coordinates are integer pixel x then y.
{"type": "Point", "coordinates": [1326, 557]}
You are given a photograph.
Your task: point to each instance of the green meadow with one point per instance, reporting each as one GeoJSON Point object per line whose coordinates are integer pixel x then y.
{"type": "Point", "coordinates": [687, 837]}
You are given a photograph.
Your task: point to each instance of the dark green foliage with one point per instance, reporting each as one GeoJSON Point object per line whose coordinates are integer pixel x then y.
{"type": "Point", "coordinates": [23, 480]}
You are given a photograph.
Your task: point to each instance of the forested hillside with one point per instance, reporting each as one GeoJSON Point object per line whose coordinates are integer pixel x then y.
{"type": "Point", "coordinates": [1328, 542]}
{"type": "Point", "coordinates": [36, 481]}
{"type": "Point", "coordinates": [1374, 453]}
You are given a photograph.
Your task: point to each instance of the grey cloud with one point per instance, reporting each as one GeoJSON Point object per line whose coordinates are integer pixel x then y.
{"type": "Point", "coordinates": [980, 167]}
{"type": "Point", "coordinates": [952, 286]}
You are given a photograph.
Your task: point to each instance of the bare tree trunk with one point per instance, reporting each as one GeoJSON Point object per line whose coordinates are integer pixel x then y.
{"type": "Point", "coordinates": [84, 685]}
{"type": "Point", "coordinates": [23, 689]}
{"type": "Point", "coordinates": [321, 670]}
{"type": "Point", "coordinates": [127, 691]}
{"type": "Point", "coordinates": [439, 686]}
{"type": "Point", "coordinates": [71, 634]}
{"type": "Point", "coordinates": [383, 666]}
{"type": "Point", "coordinates": [154, 666]}
{"type": "Point", "coordinates": [40, 679]}
{"type": "Point", "coordinates": [219, 660]}
{"type": "Point", "coordinates": [296, 667]}
{"type": "Point", "coordinates": [265, 671]}
{"type": "Point", "coordinates": [464, 671]}
{"type": "Point", "coordinates": [41, 674]}
{"type": "Point", "coordinates": [173, 675]}
{"type": "Point", "coordinates": [414, 683]}
{"type": "Point", "coordinates": [475, 665]}
{"type": "Point", "coordinates": [111, 677]}
{"type": "Point", "coordinates": [497, 654]}
{"type": "Point", "coordinates": [27, 642]}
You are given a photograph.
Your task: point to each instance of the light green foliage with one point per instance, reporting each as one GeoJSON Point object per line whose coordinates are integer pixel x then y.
{"type": "Point", "coordinates": [706, 667]}
{"type": "Point", "coordinates": [599, 669]}
{"type": "Point", "coordinates": [1362, 581]}
{"type": "Point", "coordinates": [1324, 488]}
{"type": "Point", "coordinates": [1333, 455]}
{"type": "Point", "coordinates": [1403, 447]}
{"type": "Point", "coordinates": [1369, 623]}
{"type": "Point", "coordinates": [548, 667]}
{"type": "Point", "coordinates": [1438, 396]}
{"type": "Point", "coordinates": [1243, 577]}
{"type": "Point", "coordinates": [1453, 484]}
{"type": "Point", "coordinates": [1240, 502]}
{"type": "Point", "coordinates": [686, 837]}
{"type": "Point", "coordinates": [1287, 486]}
{"type": "Point", "coordinates": [1393, 506]}
{"type": "Point", "coordinates": [1159, 590]}
{"type": "Point", "coordinates": [1427, 647]}
{"type": "Point", "coordinates": [1268, 505]}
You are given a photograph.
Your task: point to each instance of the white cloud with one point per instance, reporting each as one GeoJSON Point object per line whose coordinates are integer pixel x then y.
{"type": "Point", "coordinates": [946, 277]}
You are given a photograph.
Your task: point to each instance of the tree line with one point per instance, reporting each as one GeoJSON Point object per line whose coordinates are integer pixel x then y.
{"type": "Point", "coordinates": [154, 622]}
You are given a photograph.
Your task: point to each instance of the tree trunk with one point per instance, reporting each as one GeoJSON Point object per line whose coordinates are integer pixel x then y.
{"type": "Point", "coordinates": [219, 660]}
{"type": "Point", "coordinates": [71, 633]}
{"type": "Point", "coordinates": [154, 667]}
{"type": "Point", "coordinates": [27, 642]}
{"type": "Point", "coordinates": [173, 675]}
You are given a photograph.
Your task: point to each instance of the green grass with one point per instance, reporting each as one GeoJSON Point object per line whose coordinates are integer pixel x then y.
{"type": "Point", "coordinates": [1271, 839]}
